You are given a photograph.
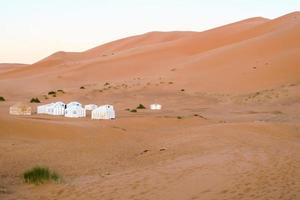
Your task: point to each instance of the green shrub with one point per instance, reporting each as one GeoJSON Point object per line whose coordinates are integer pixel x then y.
{"type": "Point", "coordinates": [2, 98]}
{"type": "Point", "coordinates": [38, 175]}
{"type": "Point", "coordinates": [141, 106]}
{"type": "Point", "coordinates": [35, 100]}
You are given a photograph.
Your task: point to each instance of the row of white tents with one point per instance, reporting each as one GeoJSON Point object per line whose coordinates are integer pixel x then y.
{"type": "Point", "coordinates": [76, 110]}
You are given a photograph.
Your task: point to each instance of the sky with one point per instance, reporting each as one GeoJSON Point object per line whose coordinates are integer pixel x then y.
{"type": "Point", "coordinates": [33, 29]}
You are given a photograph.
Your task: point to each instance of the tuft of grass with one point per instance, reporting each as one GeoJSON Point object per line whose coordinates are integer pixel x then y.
{"type": "Point", "coordinates": [133, 110]}
{"type": "Point", "coordinates": [82, 87]}
{"type": "Point", "coordinates": [2, 98]}
{"type": "Point", "coordinates": [35, 100]}
{"type": "Point", "coordinates": [141, 106]}
{"type": "Point", "coordinates": [39, 175]}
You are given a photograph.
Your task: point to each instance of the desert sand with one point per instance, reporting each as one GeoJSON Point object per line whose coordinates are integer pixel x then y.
{"type": "Point", "coordinates": [229, 127]}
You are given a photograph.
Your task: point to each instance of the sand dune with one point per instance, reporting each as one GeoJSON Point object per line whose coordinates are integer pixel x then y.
{"type": "Point", "coordinates": [252, 49]}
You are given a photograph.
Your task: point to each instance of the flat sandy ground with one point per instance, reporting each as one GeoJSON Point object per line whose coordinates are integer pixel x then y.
{"type": "Point", "coordinates": [222, 148]}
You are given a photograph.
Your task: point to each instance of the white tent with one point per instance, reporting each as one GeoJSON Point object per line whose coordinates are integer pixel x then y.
{"type": "Point", "coordinates": [90, 107]}
{"type": "Point", "coordinates": [155, 106]}
{"type": "Point", "coordinates": [75, 112]}
{"type": "Point", "coordinates": [104, 112]}
{"type": "Point", "coordinates": [74, 103]}
{"type": "Point", "coordinates": [20, 109]}
{"type": "Point", "coordinates": [43, 109]}
{"type": "Point", "coordinates": [57, 108]}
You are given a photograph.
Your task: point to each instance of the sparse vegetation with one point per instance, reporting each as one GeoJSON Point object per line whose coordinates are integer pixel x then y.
{"type": "Point", "coordinates": [133, 110]}
{"type": "Point", "coordinates": [128, 109]}
{"type": "Point", "coordinates": [40, 175]}
{"type": "Point", "coordinates": [35, 100]}
{"type": "Point", "coordinates": [82, 87]}
{"type": "Point", "coordinates": [141, 106]}
{"type": "Point", "coordinates": [182, 90]}
{"type": "Point", "coordinates": [106, 84]}
{"type": "Point", "coordinates": [52, 93]}
{"type": "Point", "coordinates": [2, 98]}
{"type": "Point", "coordinates": [61, 91]}
{"type": "Point", "coordinates": [179, 117]}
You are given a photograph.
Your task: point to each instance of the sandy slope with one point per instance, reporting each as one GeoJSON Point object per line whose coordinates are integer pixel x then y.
{"type": "Point", "coordinates": [236, 89]}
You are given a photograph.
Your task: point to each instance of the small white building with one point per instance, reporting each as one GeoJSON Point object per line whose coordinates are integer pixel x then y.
{"type": "Point", "coordinates": [155, 106]}
{"type": "Point", "coordinates": [75, 112]}
{"type": "Point", "coordinates": [104, 112]}
{"type": "Point", "coordinates": [90, 107]}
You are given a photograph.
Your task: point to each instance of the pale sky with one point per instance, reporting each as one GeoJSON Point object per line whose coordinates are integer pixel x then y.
{"type": "Point", "coordinates": [33, 29]}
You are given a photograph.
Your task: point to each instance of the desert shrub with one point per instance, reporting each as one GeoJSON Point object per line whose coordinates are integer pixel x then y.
{"type": "Point", "coordinates": [61, 91]}
{"type": "Point", "coordinates": [128, 109]}
{"type": "Point", "coordinates": [38, 175]}
{"type": "Point", "coordinates": [170, 82]}
{"type": "Point", "coordinates": [182, 90]}
{"type": "Point", "coordinates": [35, 100]}
{"type": "Point", "coordinates": [133, 110]}
{"type": "Point", "coordinates": [179, 117]}
{"type": "Point", "coordinates": [51, 93]}
{"type": "Point", "coordinates": [82, 87]}
{"type": "Point", "coordinates": [141, 106]}
{"type": "Point", "coordinates": [106, 84]}
{"type": "Point", "coordinates": [2, 98]}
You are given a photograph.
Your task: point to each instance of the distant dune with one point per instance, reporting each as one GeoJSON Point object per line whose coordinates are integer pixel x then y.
{"type": "Point", "coordinates": [4, 67]}
{"type": "Point", "coordinates": [246, 56]}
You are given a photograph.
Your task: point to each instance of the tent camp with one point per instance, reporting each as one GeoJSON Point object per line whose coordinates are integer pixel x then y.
{"type": "Point", "coordinates": [104, 112]}
{"type": "Point", "coordinates": [75, 111]}
{"type": "Point", "coordinates": [155, 106]}
{"type": "Point", "coordinates": [20, 109]}
{"type": "Point", "coordinates": [90, 107]}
